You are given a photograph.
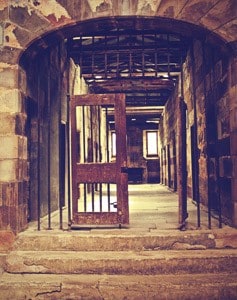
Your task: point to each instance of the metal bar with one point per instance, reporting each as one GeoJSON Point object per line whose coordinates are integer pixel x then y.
{"type": "Point", "coordinates": [106, 58]}
{"type": "Point", "coordinates": [92, 57]}
{"type": "Point", "coordinates": [216, 149]}
{"type": "Point", "coordinates": [48, 146]}
{"type": "Point", "coordinates": [107, 153]}
{"type": "Point", "coordinates": [38, 159]}
{"type": "Point", "coordinates": [93, 196]}
{"type": "Point", "coordinates": [100, 153]}
{"type": "Point", "coordinates": [68, 161]}
{"type": "Point", "coordinates": [84, 153]}
{"type": "Point", "coordinates": [61, 175]}
{"type": "Point", "coordinates": [130, 59]}
{"type": "Point", "coordinates": [207, 139]}
{"type": "Point", "coordinates": [156, 57]}
{"type": "Point", "coordinates": [168, 54]}
{"type": "Point", "coordinates": [195, 137]}
{"type": "Point", "coordinates": [143, 56]}
{"type": "Point", "coordinates": [117, 57]}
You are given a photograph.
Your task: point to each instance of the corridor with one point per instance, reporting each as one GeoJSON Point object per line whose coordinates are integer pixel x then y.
{"type": "Point", "coordinates": [152, 207]}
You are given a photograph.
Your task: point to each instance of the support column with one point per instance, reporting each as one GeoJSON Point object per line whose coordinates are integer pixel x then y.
{"type": "Point", "coordinates": [13, 150]}
{"type": "Point", "coordinates": [233, 134]}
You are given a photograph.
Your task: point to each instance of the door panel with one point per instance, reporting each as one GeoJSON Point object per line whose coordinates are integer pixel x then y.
{"type": "Point", "coordinates": [99, 181]}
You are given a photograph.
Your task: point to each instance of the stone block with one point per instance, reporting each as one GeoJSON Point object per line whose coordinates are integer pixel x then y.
{"type": "Point", "coordinates": [8, 76]}
{"type": "Point", "coordinates": [4, 217]}
{"type": "Point", "coordinates": [10, 100]}
{"type": "Point", "coordinates": [22, 170]}
{"type": "Point", "coordinates": [27, 18]}
{"type": "Point", "coordinates": [8, 170]}
{"type": "Point", "coordinates": [7, 239]}
{"type": "Point", "coordinates": [9, 147]}
{"type": "Point", "coordinates": [9, 194]}
{"type": "Point", "coordinates": [20, 124]}
{"type": "Point", "coordinates": [194, 10]}
{"type": "Point", "coordinates": [221, 13]}
{"type": "Point", "coordinates": [9, 55]}
{"type": "Point", "coordinates": [22, 80]}
{"type": "Point", "coordinates": [7, 121]}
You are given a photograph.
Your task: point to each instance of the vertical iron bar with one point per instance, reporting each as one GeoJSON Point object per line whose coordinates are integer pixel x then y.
{"type": "Point", "coordinates": [49, 152]}
{"type": "Point", "coordinates": [156, 58]}
{"type": "Point", "coordinates": [168, 56]}
{"type": "Point", "coordinates": [100, 154]}
{"type": "Point", "coordinates": [106, 58]}
{"type": "Point", "coordinates": [207, 138]}
{"type": "Point", "coordinates": [92, 156]}
{"type": "Point", "coordinates": [130, 57]}
{"type": "Point", "coordinates": [216, 147]}
{"type": "Point", "coordinates": [69, 161]}
{"type": "Point", "coordinates": [84, 152]}
{"type": "Point", "coordinates": [38, 159]}
{"type": "Point", "coordinates": [61, 156]}
{"type": "Point", "coordinates": [117, 56]}
{"type": "Point", "coordinates": [93, 57]}
{"type": "Point", "coordinates": [195, 137]}
{"type": "Point", "coordinates": [80, 59]}
{"type": "Point", "coordinates": [143, 56]}
{"type": "Point", "coordinates": [107, 153]}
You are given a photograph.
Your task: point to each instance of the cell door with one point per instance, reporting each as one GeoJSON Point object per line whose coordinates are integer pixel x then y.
{"type": "Point", "coordinates": [99, 177]}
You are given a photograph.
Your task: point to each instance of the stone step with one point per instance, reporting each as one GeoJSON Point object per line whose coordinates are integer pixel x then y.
{"type": "Point", "coordinates": [114, 241]}
{"type": "Point", "coordinates": [123, 262]}
{"type": "Point", "coordinates": [118, 287]}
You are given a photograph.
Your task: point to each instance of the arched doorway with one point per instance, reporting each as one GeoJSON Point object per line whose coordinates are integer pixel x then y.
{"type": "Point", "coordinates": [142, 57]}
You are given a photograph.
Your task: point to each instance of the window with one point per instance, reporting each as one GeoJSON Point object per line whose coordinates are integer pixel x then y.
{"type": "Point", "coordinates": [151, 143]}
{"type": "Point", "coordinates": [113, 143]}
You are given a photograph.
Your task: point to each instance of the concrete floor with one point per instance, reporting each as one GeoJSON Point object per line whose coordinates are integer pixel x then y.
{"type": "Point", "coordinates": [151, 206]}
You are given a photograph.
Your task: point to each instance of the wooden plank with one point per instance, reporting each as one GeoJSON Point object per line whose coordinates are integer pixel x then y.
{"type": "Point", "coordinates": [98, 99]}
{"type": "Point", "coordinates": [96, 173]}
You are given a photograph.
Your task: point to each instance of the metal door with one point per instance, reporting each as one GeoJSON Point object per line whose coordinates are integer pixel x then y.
{"type": "Point", "coordinates": [99, 181]}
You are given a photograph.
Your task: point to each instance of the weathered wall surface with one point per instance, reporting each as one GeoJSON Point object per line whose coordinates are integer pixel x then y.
{"type": "Point", "coordinates": [25, 21]}
{"type": "Point", "coordinates": [205, 87]}
{"type": "Point", "coordinates": [46, 97]}
{"type": "Point", "coordinates": [168, 132]}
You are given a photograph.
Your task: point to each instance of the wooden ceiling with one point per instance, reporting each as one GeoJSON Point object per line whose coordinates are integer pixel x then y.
{"type": "Point", "coordinates": [145, 65]}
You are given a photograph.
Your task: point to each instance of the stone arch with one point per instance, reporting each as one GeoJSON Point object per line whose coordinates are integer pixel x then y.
{"type": "Point", "coordinates": [31, 23]}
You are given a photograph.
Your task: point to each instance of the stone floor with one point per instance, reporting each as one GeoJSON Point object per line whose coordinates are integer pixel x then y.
{"type": "Point", "coordinates": [151, 206]}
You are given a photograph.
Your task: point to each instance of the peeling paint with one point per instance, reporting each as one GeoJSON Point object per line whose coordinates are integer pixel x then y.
{"type": "Point", "coordinates": [4, 66]}
{"type": "Point", "coordinates": [10, 38]}
{"type": "Point", "coordinates": [143, 6]}
{"type": "Point", "coordinates": [45, 7]}
{"type": "Point", "coordinates": [3, 4]}
{"type": "Point", "coordinates": [95, 5]}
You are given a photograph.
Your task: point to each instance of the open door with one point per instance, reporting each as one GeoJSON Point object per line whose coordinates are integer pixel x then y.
{"type": "Point", "coordinates": [99, 180]}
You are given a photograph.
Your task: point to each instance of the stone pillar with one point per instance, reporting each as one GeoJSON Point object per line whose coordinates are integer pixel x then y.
{"type": "Point", "coordinates": [233, 134]}
{"type": "Point", "coordinates": [13, 149]}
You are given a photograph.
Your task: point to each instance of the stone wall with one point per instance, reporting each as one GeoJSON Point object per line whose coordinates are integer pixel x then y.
{"type": "Point", "coordinates": [37, 23]}
{"type": "Point", "coordinates": [46, 95]}
{"type": "Point", "coordinates": [205, 89]}
{"type": "Point", "coordinates": [168, 133]}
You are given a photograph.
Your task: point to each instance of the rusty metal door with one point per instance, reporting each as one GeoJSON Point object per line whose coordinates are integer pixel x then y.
{"type": "Point", "coordinates": [99, 180]}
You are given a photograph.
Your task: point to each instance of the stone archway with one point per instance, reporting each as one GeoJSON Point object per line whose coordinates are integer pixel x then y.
{"type": "Point", "coordinates": [23, 22]}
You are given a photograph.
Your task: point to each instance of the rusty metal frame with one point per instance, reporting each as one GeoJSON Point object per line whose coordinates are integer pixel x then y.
{"type": "Point", "coordinates": [97, 172]}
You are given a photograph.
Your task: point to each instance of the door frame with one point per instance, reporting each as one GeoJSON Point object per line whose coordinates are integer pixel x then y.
{"type": "Point", "coordinates": [101, 172]}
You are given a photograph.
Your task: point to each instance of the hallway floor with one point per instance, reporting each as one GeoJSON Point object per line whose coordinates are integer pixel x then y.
{"type": "Point", "coordinates": [151, 206]}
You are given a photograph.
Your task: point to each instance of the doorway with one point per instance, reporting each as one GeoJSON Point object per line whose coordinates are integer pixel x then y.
{"type": "Point", "coordinates": [93, 167]}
